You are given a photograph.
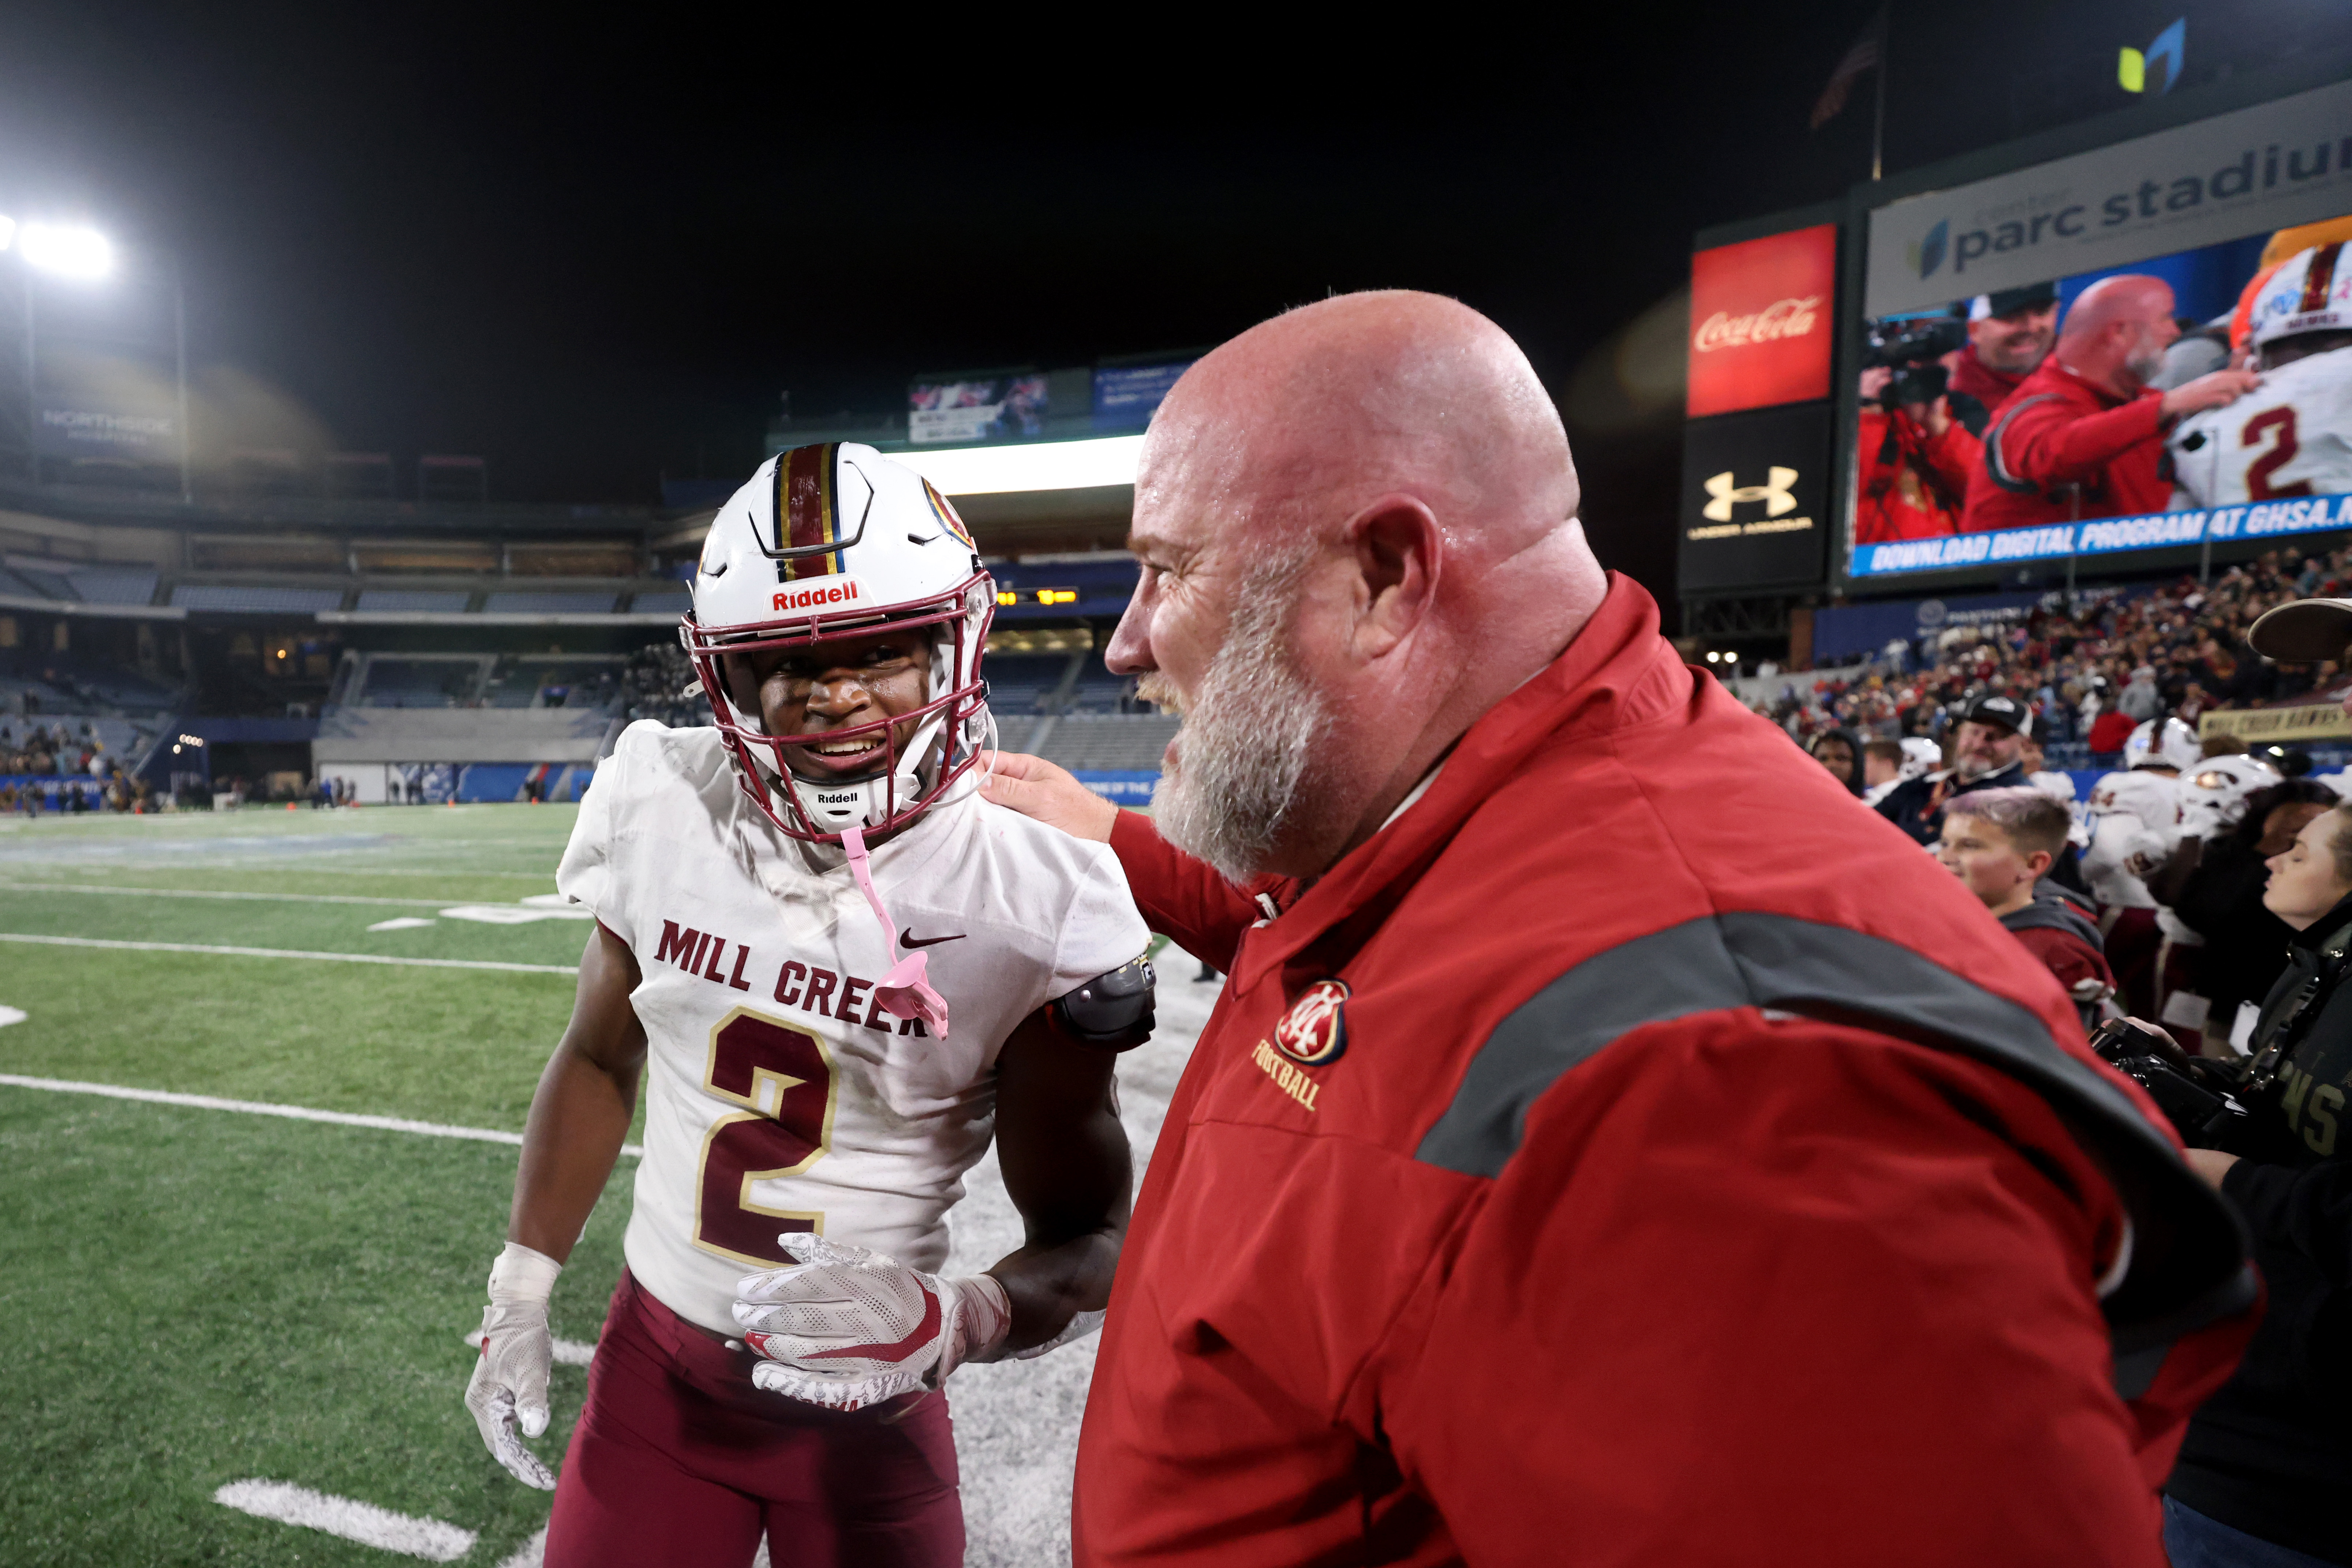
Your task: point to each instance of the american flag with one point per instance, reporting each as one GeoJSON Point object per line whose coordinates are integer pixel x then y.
{"type": "Point", "coordinates": [1868, 54]}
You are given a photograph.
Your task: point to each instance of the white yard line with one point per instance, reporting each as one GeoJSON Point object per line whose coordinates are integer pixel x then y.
{"type": "Point", "coordinates": [353, 1520]}
{"type": "Point", "coordinates": [262, 1108]}
{"type": "Point", "coordinates": [290, 953]}
{"type": "Point", "coordinates": [191, 893]}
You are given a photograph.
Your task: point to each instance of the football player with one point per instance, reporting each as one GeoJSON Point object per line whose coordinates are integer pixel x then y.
{"type": "Point", "coordinates": [839, 972]}
{"type": "Point", "coordinates": [2291, 434]}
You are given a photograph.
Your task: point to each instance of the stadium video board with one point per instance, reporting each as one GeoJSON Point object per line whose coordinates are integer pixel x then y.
{"type": "Point", "coordinates": [1976, 443]}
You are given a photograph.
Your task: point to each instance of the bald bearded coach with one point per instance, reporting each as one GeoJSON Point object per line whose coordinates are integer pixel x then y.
{"type": "Point", "coordinates": [1614, 1144]}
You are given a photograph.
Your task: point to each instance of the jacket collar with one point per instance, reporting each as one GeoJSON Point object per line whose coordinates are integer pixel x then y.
{"type": "Point", "coordinates": [2331, 930]}
{"type": "Point", "coordinates": [2056, 372]}
{"type": "Point", "coordinates": [1617, 670]}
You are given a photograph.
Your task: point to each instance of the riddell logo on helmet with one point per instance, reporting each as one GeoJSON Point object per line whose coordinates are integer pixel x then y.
{"type": "Point", "coordinates": [841, 590]}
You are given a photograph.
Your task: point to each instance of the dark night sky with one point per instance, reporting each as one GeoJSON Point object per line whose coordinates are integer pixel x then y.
{"type": "Point", "coordinates": [586, 250]}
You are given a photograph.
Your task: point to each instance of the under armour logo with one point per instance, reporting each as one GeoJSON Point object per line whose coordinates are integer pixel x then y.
{"type": "Point", "coordinates": [1774, 493]}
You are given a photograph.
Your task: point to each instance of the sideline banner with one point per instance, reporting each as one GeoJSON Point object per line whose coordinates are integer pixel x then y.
{"type": "Point", "coordinates": [2107, 536]}
{"type": "Point", "coordinates": [1127, 788]}
{"type": "Point", "coordinates": [2264, 726]}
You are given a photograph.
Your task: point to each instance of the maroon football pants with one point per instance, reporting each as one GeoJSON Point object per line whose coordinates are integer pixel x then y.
{"type": "Point", "coordinates": [679, 1459]}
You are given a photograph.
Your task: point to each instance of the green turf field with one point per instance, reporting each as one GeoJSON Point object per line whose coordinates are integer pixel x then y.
{"type": "Point", "coordinates": [192, 1296]}
{"type": "Point", "coordinates": [195, 1297]}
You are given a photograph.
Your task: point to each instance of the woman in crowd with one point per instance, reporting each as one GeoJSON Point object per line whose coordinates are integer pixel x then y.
{"type": "Point", "coordinates": [1840, 751]}
{"type": "Point", "coordinates": [2216, 887]}
{"type": "Point", "coordinates": [2266, 1468]}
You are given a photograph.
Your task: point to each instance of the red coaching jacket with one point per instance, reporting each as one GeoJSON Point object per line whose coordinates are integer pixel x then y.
{"type": "Point", "coordinates": [1639, 1152]}
{"type": "Point", "coordinates": [2059, 435]}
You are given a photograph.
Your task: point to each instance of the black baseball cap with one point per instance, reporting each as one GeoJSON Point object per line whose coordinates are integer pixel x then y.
{"type": "Point", "coordinates": [2007, 301]}
{"type": "Point", "coordinates": [1998, 708]}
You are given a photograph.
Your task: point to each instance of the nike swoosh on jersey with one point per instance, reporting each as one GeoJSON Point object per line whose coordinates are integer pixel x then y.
{"type": "Point", "coordinates": [899, 1350]}
{"type": "Point", "coordinates": [907, 938]}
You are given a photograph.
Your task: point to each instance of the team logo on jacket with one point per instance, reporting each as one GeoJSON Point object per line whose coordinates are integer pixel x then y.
{"type": "Point", "coordinates": [1315, 1029]}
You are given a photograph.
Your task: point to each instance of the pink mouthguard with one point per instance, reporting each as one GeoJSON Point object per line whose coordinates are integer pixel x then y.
{"type": "Point", "coordinates": [903, 992]}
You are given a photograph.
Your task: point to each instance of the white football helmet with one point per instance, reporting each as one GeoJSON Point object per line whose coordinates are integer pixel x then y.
{"type": "Point", "coordinates": [826, 544]}
{"type": "Point", "coordinates": [2213, 794]}
{"type": "Point", "coordinates": [1920, 756]}
{"type": "Point", "coordinates": [2173, 746]}
{"type": "Point", "coordinates": [2310, 292]}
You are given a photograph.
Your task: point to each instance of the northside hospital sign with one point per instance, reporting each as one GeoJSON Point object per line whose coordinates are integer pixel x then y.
{"type": "Point", "coordinates": [2107, 535]}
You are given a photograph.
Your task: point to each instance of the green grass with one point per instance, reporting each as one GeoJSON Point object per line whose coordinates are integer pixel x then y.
{"type": "Point", "coordinates": [194, 1296]}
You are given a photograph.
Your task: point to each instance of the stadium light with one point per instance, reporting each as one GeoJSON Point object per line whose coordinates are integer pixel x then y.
{"type": "Point", "coordinates": [68, 252]}
{"type": "Point", "coordinates": [7, 231]}
{"type": "Point", "coordinates": [1044, 466]}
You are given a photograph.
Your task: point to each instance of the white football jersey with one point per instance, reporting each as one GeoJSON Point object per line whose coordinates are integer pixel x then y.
{"type": "Point", "coordinates": [2291, 435]}
{"type": "Point", "coordinates": [2131, 813]}
{"type": "Point", "coordinates": [778, 1096]}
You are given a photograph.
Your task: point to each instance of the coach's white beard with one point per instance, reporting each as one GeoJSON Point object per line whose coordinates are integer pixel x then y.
{"type": "Point", "coordinates": [1248, 740]}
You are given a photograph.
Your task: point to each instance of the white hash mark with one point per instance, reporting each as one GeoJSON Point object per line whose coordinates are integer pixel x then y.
{"type": "Point", "coordinates": [11, 1015]}
{"type": "Point", "coordinates": [361, 1522]}
{"type": "Point", "coordinates": [400, 922]}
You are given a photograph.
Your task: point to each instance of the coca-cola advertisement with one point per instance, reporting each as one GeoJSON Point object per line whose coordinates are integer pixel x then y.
{"type": "Point", "coordinates": [1760, 321]}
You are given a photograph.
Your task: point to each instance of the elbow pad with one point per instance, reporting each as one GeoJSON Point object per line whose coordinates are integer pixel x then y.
{"type": "Point", "coordinates": [1109, 1012]}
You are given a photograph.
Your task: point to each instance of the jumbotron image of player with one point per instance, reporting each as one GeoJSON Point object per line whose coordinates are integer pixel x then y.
{"type": "Point", "coordinates": [840, 971]}
{"type": "Point", "coordinates": [2291, 434]}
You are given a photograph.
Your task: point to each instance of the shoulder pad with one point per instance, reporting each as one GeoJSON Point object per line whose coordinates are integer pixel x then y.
{"type": "Point", "coordinates": [1109, 1012]}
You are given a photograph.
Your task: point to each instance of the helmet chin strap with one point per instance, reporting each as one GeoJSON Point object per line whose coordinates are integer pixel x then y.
{"type": "Point", "coordinates": [840, 806]}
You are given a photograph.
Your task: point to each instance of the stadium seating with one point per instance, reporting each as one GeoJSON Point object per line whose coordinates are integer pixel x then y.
{"type": "Point", "coordinates": [259, 601]}
{"type": "Point", "coordinates": [1110, 743]}
{"type": "Point", "coordinates": [411, 601]}
{"type": "Point", "coordinates": [596, 602]}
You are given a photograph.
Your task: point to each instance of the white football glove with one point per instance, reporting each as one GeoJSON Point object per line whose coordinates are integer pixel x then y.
{"type": "Point", "coordinates": [510, 1379]}
{"type": "Point", "coordinates": [845, 1327]}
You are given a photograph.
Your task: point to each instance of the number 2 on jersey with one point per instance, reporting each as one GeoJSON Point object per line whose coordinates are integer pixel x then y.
{"type": "Point", "coordinates": [784, 1079]}
{"type": "Point", "coordinates": [2282, 450]}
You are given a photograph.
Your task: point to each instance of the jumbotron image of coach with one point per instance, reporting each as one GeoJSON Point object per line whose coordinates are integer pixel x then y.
{"type": "Point", "coordinates": [1584, 1164]}
{"type": "Point", "coordinates": [2083, 436]}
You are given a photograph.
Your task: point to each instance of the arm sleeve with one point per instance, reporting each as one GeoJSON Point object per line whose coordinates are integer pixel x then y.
{"type": "Point", "coordinates": [1182, 898]}
{"type": "Point", "coordinates": [585, 874]}
{"type": "Point", "coordinates": [2050, 443]}
{"type": "Point", "coordinates": [1101, 929]}
{"type": "Point", "coordinates": [1735, 1296]}
{"type": "Point", "coordinates": [1953, 456]}
{"type": "Point", "coordinates": [2307, 1209]}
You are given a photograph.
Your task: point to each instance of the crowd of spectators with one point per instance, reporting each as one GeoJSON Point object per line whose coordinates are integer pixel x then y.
{"type": "Point", "coordinates": [52, 749]}
{"type": "Point", "coordinates": [2118, 659]}
{"type": "Point", "coordinates": [2196, 909]}
{"type": "Point", "coordinates": [658, 684]}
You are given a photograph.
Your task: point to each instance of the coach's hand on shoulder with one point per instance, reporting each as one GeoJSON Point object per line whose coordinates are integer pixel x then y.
{"type": "Point", "coordinates": [510, 1383]}
{"type": "Point", "coordinates": [1035, 788]}
{"type": "Point", "coordinates": [845, 1327]}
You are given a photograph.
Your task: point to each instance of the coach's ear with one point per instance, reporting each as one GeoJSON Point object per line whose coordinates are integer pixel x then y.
{"type": "Point", "coordinates": [1397, 548]}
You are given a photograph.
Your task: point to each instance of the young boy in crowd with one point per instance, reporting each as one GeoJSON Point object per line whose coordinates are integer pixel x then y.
{"type": "Point", "coordinates": [1999, 842]}
{"type": "Point", "coordinates": [1881, 769]}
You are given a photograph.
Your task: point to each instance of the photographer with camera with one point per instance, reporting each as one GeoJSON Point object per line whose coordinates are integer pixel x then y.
{"type": "Point", "coordinates": [1916, 455]}
{"type": "Point", "coordinates": [2083, 436]}
{"type": "Point", "coordinates": [2264, 1477]}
